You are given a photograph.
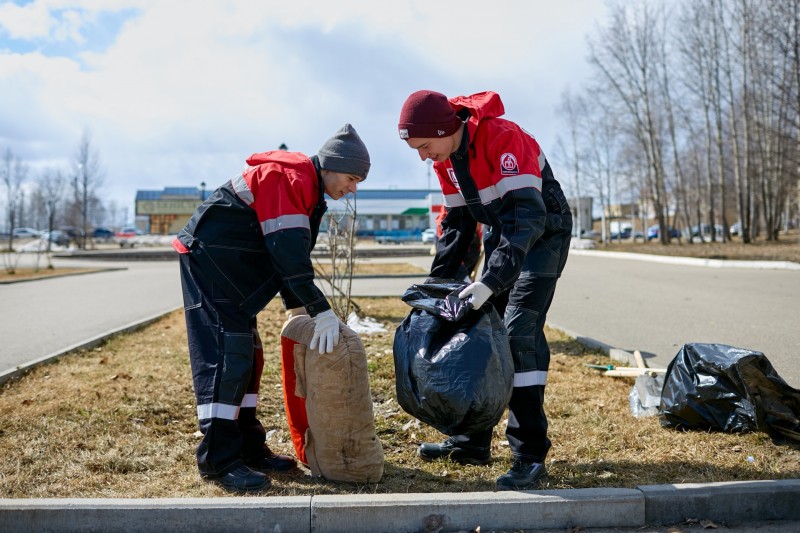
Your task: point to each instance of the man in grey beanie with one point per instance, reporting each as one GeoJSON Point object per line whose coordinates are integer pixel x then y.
{"type": "Point", "coordinates": [250, 240]}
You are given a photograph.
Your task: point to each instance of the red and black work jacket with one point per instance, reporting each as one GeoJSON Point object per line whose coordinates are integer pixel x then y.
{"type": "Point", "coordinates": [499, 177]}
{"type": "Point", "coordinates": [286, 192]}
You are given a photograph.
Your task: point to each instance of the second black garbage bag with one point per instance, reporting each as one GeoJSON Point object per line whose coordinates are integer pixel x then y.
{"type": "Point", "coordinates": [453, 364]}
{"type": "Point", "coordinates": [725, 388]}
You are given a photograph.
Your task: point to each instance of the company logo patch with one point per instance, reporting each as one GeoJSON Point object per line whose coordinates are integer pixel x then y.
{"type": "Point", "coordinates": [508, 164]}
{"type": "Point", "coordinates": [404, 133]}
{"type": "Point", "coordinates": [440, 132]}
{"type": "Point", "coordinates": [452, 175]}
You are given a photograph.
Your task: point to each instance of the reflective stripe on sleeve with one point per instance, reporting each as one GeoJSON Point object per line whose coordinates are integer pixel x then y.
{"type": "Point", "coordinates": [454, 200]}
{"type": "Point", "coordinates": [217, 410]}
{"type": "Point", "coordinates": [242, 189]}
{"type": "Point", "coordinates": [285, 222]}
{"type": "Point", "coordinates": [528, 379]}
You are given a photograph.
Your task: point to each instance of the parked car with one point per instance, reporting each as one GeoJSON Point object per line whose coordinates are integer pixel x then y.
{"type": "Point", "coordinates": [705, 230]}
{"type": "Point", "coordinates": [653, 232]}
{"type": "Point", "coordinates": [26, 233]}
{"type": "Point", "coordinates": [627, 234]}
{"type": "Point", "coordinates": [102, 233]}
{"type": "Point", "coordinates": [127, 236]}
{"type": "Point", "coordinates": [428, 235]}
{"type": "Point", "coordinates": [56, 237]}
{"type": "Point", "coordinates": [129, 231]}
{"type": "Point", "coordinates": [74, 233]}
{"type": "Point", "coordinates": [589, 234]}
{"type": "Point", "coordinates": [397, 236]}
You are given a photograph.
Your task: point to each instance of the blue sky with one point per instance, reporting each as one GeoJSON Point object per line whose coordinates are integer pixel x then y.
{"type": "Point", "coordinates": [176, 93]}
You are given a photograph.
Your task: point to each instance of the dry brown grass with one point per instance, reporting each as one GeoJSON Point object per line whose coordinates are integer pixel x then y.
{"type": "Point", "coordinates": [786, 248]}
{"type": "Point", "coordinates": [119, 421]}
{"type": "Point", "coordinates": [363, 268]}
{"type": "Point", "coordinates": [29, 274]}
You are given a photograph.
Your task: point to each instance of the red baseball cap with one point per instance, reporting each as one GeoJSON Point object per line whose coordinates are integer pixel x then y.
{"type": "Point", "coordinates": [427, 114]}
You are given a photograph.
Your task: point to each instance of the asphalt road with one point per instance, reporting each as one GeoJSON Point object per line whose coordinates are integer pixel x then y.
{"type": "Point", "coordinates": [657, 308]}
{"type": "Point", "coordinates": [627, 304]}
{"type": "Point", "coordinates": [43, 317]}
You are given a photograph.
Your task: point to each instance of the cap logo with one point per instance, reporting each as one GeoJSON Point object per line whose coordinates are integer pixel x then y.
{"type": "Point", "coordinates": [440, 132]}
{"type": "Point", "coordinates": [404, 133]}
{"type": "Point", "coordinates": [508, 164]}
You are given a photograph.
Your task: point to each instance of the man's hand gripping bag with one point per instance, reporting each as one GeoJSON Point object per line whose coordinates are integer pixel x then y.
{"type": "Point", "coordinates": [329, 404]}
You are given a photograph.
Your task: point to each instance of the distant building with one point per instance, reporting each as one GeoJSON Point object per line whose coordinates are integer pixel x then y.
{"type": "Point", "coordinates": [168, 210]}
{"type": "Point", "coordinates": [381, 210]}
{"type": "Point", "coordinates": [581, 209]}
{"type": "Point", "coordinates": [623, 210]}
{"type": "Point", "coordinates": [377, 210]}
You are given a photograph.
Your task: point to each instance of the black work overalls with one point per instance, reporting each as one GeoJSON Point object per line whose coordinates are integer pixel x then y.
{"type": "Point", "coordinates": [227, 278]}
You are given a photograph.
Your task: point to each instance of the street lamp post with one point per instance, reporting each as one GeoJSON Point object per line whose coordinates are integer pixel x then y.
{"type": "Point", "coordinates": [84, 204]}
{"type": "Point", "coordinates": [430, 164]}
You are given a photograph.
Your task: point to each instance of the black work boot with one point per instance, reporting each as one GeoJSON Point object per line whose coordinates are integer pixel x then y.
{"type": "Point", "coordinates": [449, 448]}
{"type": "Point", "coordinates": [522, 475]}
{"type": "Point", "coordinates": [272, 462]}
{"type": "Point", "coordinates": [242, 479]}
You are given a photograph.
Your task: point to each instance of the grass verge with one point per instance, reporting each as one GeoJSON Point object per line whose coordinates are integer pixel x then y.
{"type": "Point", "coordinates": [118, 421]}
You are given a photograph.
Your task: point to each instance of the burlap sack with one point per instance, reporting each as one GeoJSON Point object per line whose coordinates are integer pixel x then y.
{"type": "Point", "coordinates": [339, 443]}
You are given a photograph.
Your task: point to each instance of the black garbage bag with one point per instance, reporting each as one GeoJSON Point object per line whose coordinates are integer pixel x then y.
{"type": "Point", "coordinates": [723, 388]}
{"type": "Point", "coordinates": [453, 364]}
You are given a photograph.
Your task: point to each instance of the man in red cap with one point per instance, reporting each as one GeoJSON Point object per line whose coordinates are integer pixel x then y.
{"type": "Point", "coordinates": [493, 172]}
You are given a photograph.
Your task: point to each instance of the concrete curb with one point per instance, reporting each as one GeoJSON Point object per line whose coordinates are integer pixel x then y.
{"type": "Point", "coordinates": [617, 354]}
{"type": "Point", "coordinates": [691, 261]}
{"type": "Point", "coordinates": [735, 502]}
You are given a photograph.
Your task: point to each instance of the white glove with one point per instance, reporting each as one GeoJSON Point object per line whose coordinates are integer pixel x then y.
{"type": "Point", "coordinates": [326, 332]}
{"type": "Point", "coordinates": [477, 292]}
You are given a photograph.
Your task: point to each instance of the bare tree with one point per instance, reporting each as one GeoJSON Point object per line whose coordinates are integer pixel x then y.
{"type": "Point", "coordinates": [12, 175]}
{"type": "Point", "coordinates": [734, 52]}
{"type": "Point", "coordinates": [787, 36]}
{"type": "Point", "coordinates": [571, 108]}
{"type": "Point", "coordinates": [337, 270]}
{"type": "Point", "coordinates": [604, 138]}
{"type": "Point", "coordinates": [87, 179]}
{"type": "Point", "coordinates": [51, 187]}
{"type": "Point", "coordinates": [627, 56]}
{"type": "Point", "coordinates": [775, 131]}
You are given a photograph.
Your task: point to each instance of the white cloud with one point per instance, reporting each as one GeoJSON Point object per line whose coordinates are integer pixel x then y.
{"type": "Point", "coordinates": [26, 22]}
{"type": "Point", "coordinates": [186, 91]}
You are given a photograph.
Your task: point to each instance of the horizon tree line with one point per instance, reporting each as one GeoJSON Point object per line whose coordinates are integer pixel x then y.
{"type": "Point", "coordinates": [56, 197]}
{"type": "Point", "coordinates": [693, 110]}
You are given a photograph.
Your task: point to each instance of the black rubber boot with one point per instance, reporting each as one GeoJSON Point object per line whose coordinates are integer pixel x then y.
{"type": "Point", "coordinates": [521, 476]}
{"type": "Point", "coordinates": [243, 479]}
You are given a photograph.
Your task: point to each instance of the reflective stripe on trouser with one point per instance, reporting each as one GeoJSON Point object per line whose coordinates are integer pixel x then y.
{"type": "Point", "coordinates": [227, 361]}
{"type": "Point", "coordinates": [524, 309]}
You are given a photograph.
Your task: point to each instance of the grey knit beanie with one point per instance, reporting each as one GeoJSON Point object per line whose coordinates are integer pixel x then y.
{"type": "Point", "coordinates": [345, 152]}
